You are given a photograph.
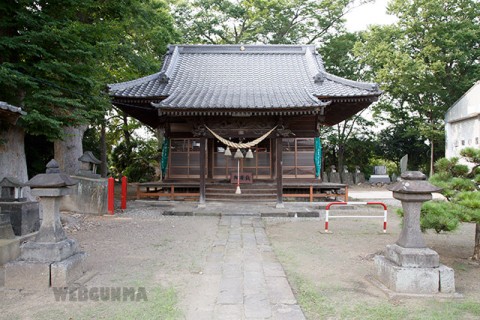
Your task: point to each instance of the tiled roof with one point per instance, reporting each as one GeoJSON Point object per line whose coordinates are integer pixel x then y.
{"type": "Point", "coordinates": [13, 109]}
{"type": "Point", "coordinates": [242, 77]}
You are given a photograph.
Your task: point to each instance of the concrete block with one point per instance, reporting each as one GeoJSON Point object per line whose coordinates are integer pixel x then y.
{"type": "Point", "coordinates": [65, 272]}
{"type": "Point", "coordinates": [9, 250]}
{"type": "Point", "coordinates": [407, 280]}
{"type": "Point", "coordinates": [447, 279]}
{"type": "Point", "coordinates": [412, 257]}
{"type": "Point", "coordinates": [27, 275]}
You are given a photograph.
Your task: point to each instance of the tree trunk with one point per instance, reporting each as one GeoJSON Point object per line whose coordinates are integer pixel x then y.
{"type": "Point", "coordinates": [340, 157]}
{"type": "Point", "coordinates": [68, 150]}
{"type": "Point", "coordinates": [103, 152]}
{"type": "Point", "coordinates": [13, 162]}
{"type": "Point", "coordinates": [476, 250]}
{"type": "Point", "coordinates": [432, 158]}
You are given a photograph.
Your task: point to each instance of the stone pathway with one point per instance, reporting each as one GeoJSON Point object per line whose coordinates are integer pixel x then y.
{"type": "Point", "coordinates": [242, 279]}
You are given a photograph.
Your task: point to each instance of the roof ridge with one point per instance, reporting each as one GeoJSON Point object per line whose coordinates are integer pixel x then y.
{"type": "Point", "coordinates": [370, 86]}
{"type": "Point", "coordinates": [241, 48]}
{"type": "Point", "coordinates": [123, 85]}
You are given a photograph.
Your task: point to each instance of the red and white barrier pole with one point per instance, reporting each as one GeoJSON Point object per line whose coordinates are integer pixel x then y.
{"type": "Point", "coordinates": [123, 204]}
{"type": "Point", "coordinates": [327, 212]}
{"type": "Point", "coordinates": [111, 195]}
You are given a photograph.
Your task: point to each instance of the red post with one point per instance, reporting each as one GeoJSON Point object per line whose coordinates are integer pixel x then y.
{"type": "Point", "coordinates": [111, 195]}
{"type": "Point", "coordinates": [123, 204]}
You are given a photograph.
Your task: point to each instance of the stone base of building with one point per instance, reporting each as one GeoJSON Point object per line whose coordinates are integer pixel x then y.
{"type": "Point", "coordinates": [33, 275]}
{"type": "Point", "coordinates": [414, 280]}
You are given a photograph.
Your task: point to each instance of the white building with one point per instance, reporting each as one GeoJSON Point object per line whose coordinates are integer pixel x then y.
{"type": "Point", "coordinates": [462, 123]}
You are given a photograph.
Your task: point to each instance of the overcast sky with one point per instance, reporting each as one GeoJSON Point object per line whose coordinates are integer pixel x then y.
{"type": "Point", "coordinates": [373, 13]}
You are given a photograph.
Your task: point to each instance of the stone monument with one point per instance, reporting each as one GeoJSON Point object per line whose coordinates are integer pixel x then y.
{"type": "Point", "coordinates": [24, 214]}
{"type": "Point", "coordinates": [52, 259]}
{"type": "Point", "coordinates": [324, 177]}
{"type": "Point", "coordinates": [379, 175]}
{"type": "Point", "coordinates": [6, 231]}
{"type": "Point", "coordinates": [403, 164]}
{"type": "Point", "coordinates": [347, 177]}
{"type": "Point", "coordinates": [358, 177]}
{"type": "Point", "coordinates": [334, 176]}
{"type": "Point", "coordinates": [408, 266]}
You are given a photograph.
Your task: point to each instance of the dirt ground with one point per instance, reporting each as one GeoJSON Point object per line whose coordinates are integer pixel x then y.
{"type": "Point", "coordinates": [166, 254]}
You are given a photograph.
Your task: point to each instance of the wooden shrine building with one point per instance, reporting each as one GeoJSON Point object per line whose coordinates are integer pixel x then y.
{"type": "Point", "coordinates": [268, 101]}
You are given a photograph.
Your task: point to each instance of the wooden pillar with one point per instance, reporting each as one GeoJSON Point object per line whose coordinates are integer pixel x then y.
{"type": "Point", "coordinates": [279, 169]}
{"type": "Point", "coordinates": [203, 153]}
{"type": "Point", "coordinates": [210, 157]}
{"type": "Point", "coordinates": [273, 162]}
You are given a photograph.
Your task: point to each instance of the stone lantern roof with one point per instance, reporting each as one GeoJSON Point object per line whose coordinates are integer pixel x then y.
{"type": "Point", "coordinates": [11, 182]}
{"type": "Point", "coordinates": [89, 158]}
{"type": "Point", "coordinates": [414, 182]}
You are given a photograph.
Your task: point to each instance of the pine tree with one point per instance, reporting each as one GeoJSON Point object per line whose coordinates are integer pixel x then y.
{"type": "Point", "coordinates": [461, 187]}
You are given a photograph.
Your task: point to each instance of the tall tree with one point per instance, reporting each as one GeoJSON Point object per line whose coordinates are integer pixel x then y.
{"type": "Point", "coordinates": [426, 60]}
{"type": "Point", "coordinates": [57, 56]}
{"type": "Point", "coordinates": [261, 21]}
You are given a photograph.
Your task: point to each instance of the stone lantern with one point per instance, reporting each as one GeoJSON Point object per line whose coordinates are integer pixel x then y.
{"type": "Point", "coordinates": [12, 190]}
{"type": "Point", "coordinates": [52, 259]}
{"type": "Point", "coordinates": [408, 266]}
{"type": "Point", "coordinates": [88, 165]}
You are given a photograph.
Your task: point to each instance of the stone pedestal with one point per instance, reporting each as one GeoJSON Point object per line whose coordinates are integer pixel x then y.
{"type": "Point", "coordinates": [6, 231]}
{"type": "Point", "coordinates": [24, 216]}
{"type": "Point", "coordinates": [379, 178]}
{"type": "Point", "coordinates": [414, 271]}
{"type": "Point", "coordinates": [409, 267]}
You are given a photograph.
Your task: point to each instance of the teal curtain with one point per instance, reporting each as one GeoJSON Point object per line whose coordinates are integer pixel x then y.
{"type": "Point", "coordinates": [164, 161]}
{"type": "Point", "coordinates": [317, 156]}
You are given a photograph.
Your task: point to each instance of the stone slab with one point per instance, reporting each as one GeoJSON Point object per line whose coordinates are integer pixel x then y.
{"type": "Point", "coordinates": [48, 251]}
{"type": "Point", "coordinates": [257, 306]}
{"type": "Point", "coordinates": [412, 257]}
{"type": "Point", "coordinates": [65, 272]}
{"type": "Point", "coordinates": [279, 290]}
{"type": "Point", "coordinates": [407, 280]}
{"type": "Point", "coordinates": [27, 275]}
{"type": "Point", "coordinates": [6, 230]}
